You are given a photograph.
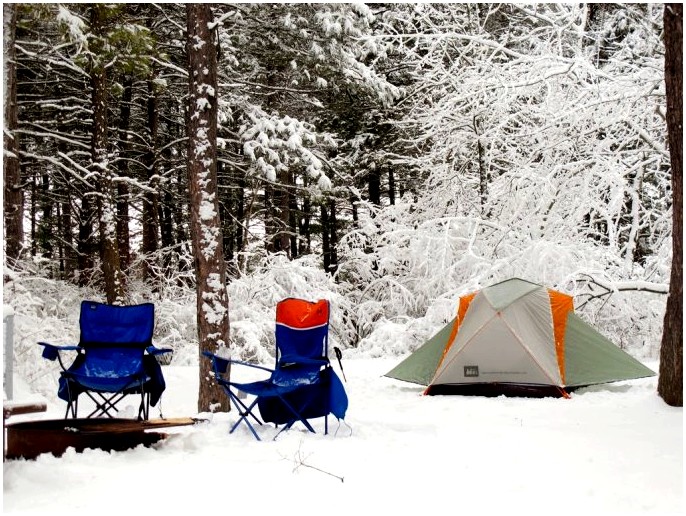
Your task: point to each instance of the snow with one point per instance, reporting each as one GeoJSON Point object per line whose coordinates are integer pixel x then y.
{"type": "Point", "coordinates": [611, 448]}
{"type": "Point", "coordinates": [75, 26]}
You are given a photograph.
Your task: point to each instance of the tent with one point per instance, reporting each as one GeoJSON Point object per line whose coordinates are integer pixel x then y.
{"type": "Point", "coordinates": [516, 338]}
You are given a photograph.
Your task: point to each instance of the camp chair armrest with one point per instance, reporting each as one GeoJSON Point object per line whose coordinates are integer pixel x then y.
{"type": "Point", "coordinates": [152, 350]}
{"type": "Point", "coordinates": [248, 364]}
{"type": "Point", "coordinates": [221, 364]}
{"type": "Point", "coordinates": [51, 351]}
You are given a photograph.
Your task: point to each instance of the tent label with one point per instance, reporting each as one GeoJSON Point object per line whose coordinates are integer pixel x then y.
{"type": "Point", "coordinates": [471, 371]}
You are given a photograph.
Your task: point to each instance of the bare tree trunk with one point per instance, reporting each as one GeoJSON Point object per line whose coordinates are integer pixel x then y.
{"type": "Point", "coordinates": [293, 217]}
{"type": "Point", "coordinates": [326, 243]}
{"type": "Point", "coordinates": [305, 227]}
{"type": "Point", "coordinates": [109, 248]}
{"type": "Point", "coordinates": [151, 201]}
{"type": "Point", "coordinates": [282, 239]}
{"type": "Point", "coordinates": [333, 241]}
{"type": "Point", "coordinates": [123, 236]}
{"type": "Point", "coordinates": [66, 236]}
{"type": "Point", "coordinates": [65, 231]}
{"type": "Point", "coordinates": [14, 199]}
{"type": "Point", "coordinates": [210, 269]}
{"type": "Point", "coordinates": [329, 236]}
{"type": "Point", "coordinates": [86, 241]}
{"type": "Point", "coordinates": [115, 286]}
{"type": "Point", "coordinates": [168, 206]}
{"type": "Point", "coordinates": [484, 178]}
{"type": "Point", "coordinates": [391, 186]}
{"type": "Point", "coordinates": [374, 184]}
{"type": "Point", "coordinates": [670, 384]}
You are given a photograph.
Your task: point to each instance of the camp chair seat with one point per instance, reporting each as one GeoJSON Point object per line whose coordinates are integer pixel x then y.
{"type": "Point", "coordinates": [114, 359]}
{"type": "Point", "coordinates": [105, 384]}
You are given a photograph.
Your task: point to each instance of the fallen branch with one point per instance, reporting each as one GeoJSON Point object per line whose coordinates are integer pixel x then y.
{"type": "Point", "coordinates": [300, 461]}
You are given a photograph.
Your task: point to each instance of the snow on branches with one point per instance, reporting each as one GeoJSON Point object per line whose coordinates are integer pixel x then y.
{"type": "Point", "coordinates": [276, 143]}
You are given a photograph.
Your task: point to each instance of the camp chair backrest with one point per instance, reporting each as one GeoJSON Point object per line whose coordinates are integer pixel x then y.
{"type": "Point", "coordinates": [121, 326]}
{"type": "Point", "coordinates": [302, 328]}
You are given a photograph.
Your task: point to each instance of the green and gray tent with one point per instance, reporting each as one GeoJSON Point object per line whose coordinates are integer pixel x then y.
{"type": "Point", "coordinates": [516, 338]}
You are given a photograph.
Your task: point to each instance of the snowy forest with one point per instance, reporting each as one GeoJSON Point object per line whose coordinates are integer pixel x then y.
{"type": "Point", "coordinates": [217, 158]}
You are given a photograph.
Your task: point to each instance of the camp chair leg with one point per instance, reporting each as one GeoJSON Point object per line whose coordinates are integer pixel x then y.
{"type": "Point", "coordinates": [285, 427]}
{"type": "Point", "coordinates": [105, 404]}
{"type": "Point", "coordinates": [247, 411]}
{"type": "Point", "coordinates": [72, 407]}
{"type": "Point", "coordinates": [298, 417]}
{"type": "Point", "coordinates": [72, 403]}
{"type": "Point", "coordinates": [290, 424]}
{"type": "Point", "coordinates": [145, 406]}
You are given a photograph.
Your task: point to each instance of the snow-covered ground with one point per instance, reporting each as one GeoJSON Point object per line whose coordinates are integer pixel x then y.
{"type": "Point", "coordinates": [610, 448]}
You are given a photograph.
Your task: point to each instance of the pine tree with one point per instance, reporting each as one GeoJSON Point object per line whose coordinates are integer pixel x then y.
{"type": "Point", "coordinates": [210, 273]}
{"type": "Point", "coordinates": [13, 200]}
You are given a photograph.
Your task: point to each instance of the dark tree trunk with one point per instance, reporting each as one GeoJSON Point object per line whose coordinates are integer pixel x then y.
{"type": "Point", "coordinates": [86, 241]}
{"type": "Point", "coordinates": [109, 249]}
{"type": "Point", "coordinates": [123, 237]}
{"type": "Point", "coordinates": [212, 297]}
{"type": "Point", "coordinates": [166, 221]}
{"type": "Point", "coordinates": [374, 179]}
{"type": "Point", "coordinates": [168, 204]}
{"type": "Point", "coordinates": [282, 238]}
{"type": "Point", "coordinates": [391, 186]}
{"type": "Point", "coordinates": [240, 219]}
{"type": "Point", "coordinates": [14, 199]}
{"type": "Point", "coordinates": [33, 211]}
{"type": "Point", "coordinates": [151, 203]}
{"type": "Point", "coordinates": [304, 227]}
{"type": "Point", "coordinates": [333, 240]}
{"type": "Point", "coordinates": [326, 243]}
{"type": "Point", "coordinates": [46, 226]}
{"type": "Point", "coordinates": [227, 204]}
{"type": "Point", "coordinates": [293, 216]}
{"type": "Point", "coordinates": [67, 255]}
{"type": "Point", "coordinates": [484, 178]}
{"type": "Point", "coordinates": [329, 236]}
{"type": "Point", "coordinates": [270, 228]}
{"type": "Point", "coordinates": [671, 379]}
{"type": "Point", "coordinates": [66, 235]}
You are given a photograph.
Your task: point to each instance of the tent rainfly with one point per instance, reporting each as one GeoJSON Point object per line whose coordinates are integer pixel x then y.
{"type": "Point", "coordinates": [516, 338]}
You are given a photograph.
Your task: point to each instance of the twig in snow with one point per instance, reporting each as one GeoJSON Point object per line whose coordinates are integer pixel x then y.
{"type": "Point", "coordinates": [300, 461]}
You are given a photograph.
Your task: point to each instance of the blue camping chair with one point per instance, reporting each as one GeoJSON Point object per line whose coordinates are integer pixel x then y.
{"type": "Point", "coordinates": [302, 385]}
{"type": "Point", "coordinates": [115, 358]}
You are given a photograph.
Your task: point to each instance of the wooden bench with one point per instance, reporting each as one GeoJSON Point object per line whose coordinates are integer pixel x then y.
{"type": "Point", "coordinates": [13, 408]}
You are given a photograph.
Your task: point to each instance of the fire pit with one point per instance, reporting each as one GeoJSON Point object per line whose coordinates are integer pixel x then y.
{"type": "Point", "coordinates": [31, 438]}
